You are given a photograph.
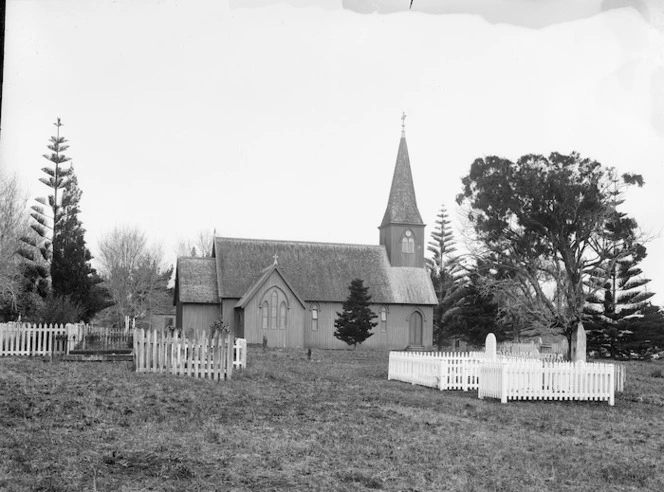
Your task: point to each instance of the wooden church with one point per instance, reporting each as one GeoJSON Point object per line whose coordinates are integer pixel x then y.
{"type": "Point", "coordinates": [290, 291]}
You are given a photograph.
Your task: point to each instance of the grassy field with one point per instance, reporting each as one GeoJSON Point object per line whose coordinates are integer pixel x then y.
{"type": "Point", "coordinates": [333, 423]}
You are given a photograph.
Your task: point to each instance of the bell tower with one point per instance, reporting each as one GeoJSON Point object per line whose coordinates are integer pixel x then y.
{"type": "Point", "coordinates": [402, 229]}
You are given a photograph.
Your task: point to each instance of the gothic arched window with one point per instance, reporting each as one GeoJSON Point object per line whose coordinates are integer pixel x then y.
{"type": "Point", "coordinates": [408, 243]}
{"type": "Point", "coordinates": [265, 314]}
{"type": "Point", "coordinates": [274, 298]}
{"type": "Point", "coordinates": [282, 315]}
{"type": "Point", "coordinates": [314, 317]}
{"type": "Point", "coordinates": [383, 319]}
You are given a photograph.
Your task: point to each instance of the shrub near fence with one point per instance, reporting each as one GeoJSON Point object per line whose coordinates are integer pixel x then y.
{"type": "Point", "coordinates": [203, 356]}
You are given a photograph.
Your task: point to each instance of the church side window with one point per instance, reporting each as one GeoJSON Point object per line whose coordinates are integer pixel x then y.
{"type": "Point", "coordinates": [282, 316]}
{"type": "Point", "coordinates": [273, 310]}
{"type": "Point", "coordinates": [265, 314]}
{"type": "Point", "coordinates": [383, 319]}
{"type": "Point", "coordinates": [314, 318]}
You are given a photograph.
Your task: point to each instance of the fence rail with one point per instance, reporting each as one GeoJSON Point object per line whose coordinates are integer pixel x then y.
{"type": "Point", "coordinates": [204, 356]}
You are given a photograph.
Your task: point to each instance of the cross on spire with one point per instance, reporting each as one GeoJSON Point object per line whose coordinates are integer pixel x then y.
{"type": "Point", "coordinates": [403, 124]}
{"type": "Point", "coordinates": [275, 257]}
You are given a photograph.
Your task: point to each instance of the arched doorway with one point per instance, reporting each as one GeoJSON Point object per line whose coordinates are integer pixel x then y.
{"type": "Point", "coordinates": [415, 329]}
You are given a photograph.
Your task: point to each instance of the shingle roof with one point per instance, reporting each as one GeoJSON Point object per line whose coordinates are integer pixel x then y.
{"type": "Point", "coordinates": [196, 280]}
{"type": "Point", "coordinates": [402, 205]}
{"type": "Point", "coordinates": [319, 271]}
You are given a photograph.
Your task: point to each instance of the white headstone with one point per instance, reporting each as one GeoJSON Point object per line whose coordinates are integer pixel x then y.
{"type": "Point", "coordinates": [490, 346]}
{"type": "Point", "coordinates": [579, 344]}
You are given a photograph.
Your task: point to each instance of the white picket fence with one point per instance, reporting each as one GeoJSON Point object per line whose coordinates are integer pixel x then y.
{"type": "Point", "coordinates": [442, 370]}
{"type": "Point", "coordinates": [240, 353]}
{"type": "Point", "coordinates": [537, 380]}
{"type": "Point", "coordinates": [25, 339]}
{"type": "Point", "coordinates": [202, 356]}
{"type": "Point", "coordinates": [466, 371]}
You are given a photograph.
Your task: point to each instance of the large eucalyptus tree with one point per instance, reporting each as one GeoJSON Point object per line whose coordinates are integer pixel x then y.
{"type": "Point", "coordinates": [544, 220]}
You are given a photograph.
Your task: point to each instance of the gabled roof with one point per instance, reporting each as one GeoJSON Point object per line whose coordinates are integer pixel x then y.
{"type": "Point", "coordinates": [319, 271]}
{"type": "Point", "coordinates": [196, 280]}
{"type": "Point", "coordinates": [402, 205]}
{"type": "Point", "coordinates": [257, 285]}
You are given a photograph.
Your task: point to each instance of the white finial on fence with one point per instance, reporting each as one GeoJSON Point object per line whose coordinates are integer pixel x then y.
{"type": "Point", "coordinates": [490, 346]}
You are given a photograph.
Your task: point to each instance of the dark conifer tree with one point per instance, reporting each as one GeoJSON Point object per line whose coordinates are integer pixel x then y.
{"type": "Point", "coordinates": [645, 332]}
{"type": "Point", "coordinates": [355, 322]}
{"type": "Point", "coordinates": [476, 313]}
{"type": "Point", "coordinates": [71, 272]}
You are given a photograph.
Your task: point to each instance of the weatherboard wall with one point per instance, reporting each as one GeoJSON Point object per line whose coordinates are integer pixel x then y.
{"type": "Point", "coordinates": [196, 317]}
{"type": "Point", "coordinates": [277, 334]}
{"type": "Point", "coordinates": [395, 336]}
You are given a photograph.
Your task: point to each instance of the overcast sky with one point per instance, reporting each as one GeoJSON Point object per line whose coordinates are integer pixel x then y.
{"type": "Point", "coordinates": [281, 120]}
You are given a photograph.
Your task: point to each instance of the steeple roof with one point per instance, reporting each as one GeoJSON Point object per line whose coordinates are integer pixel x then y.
{"type": "Point", "coordinates": [402, 205]}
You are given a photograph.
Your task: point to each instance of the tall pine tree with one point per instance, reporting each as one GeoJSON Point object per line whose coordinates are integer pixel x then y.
{"type": "Point", "coordinates": [354, 323]}
{"type": "Point", "coordinates": [622, 297]}
{"type": "Point", "coordinates": [47, 214]}
{"type": "Point", "coordinates": [37, 247]}
{"type": "Point", "coordinates": [58, 240]}
{"type": "Point", "coordinates": [446, 274]}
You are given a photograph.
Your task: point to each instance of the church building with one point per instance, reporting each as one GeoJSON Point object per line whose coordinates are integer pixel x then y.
{"type": "Point", "coordinates": [290, 291]}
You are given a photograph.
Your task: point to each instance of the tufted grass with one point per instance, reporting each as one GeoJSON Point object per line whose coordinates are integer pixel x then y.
{"type": "Point", "coordinates": [333, 423]}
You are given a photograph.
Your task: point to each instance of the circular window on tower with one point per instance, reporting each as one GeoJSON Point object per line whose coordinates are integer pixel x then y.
{"type": "Point", "coordinates": [408, 233]}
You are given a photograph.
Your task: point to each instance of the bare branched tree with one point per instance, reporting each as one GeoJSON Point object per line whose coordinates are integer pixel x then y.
{"type": "Point", "coordinates": [13, 226]}
{"type": "Point", "coordinates": [201, 245]}
{"type": "Point", "coordinates": [133, 272]}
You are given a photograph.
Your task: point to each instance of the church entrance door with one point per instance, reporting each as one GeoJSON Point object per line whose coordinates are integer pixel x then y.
{"type": "Point", "coordinates": [415, 331]}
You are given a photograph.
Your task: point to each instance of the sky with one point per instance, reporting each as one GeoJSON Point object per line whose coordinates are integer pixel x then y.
{"type": "Point", "coordinates": [281, 119]}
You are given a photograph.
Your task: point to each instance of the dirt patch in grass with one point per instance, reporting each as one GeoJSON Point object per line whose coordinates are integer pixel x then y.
{"type": "Point", "coordinates": [332, 423]}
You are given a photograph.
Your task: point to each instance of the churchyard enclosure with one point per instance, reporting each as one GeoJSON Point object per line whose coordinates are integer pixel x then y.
{"type": "Point", "coordinates": [332, 423]}
{"type": "Point", "coordinates": [509, 375]}
{"type": "Point", "coordinates": [205, 356]}
{"type": "Point", "coordinates": [42, 340]}
{"type": "Point", "coordinates": [157, 350]}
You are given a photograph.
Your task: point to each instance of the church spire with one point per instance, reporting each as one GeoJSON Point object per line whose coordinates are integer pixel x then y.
{"type": "Point", "coordinates": [402, 205]}
{"type": "Point", "coordinates": [402, 229]}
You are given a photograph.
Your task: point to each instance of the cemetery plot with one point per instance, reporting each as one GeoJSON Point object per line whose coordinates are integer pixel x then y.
{"type": "Point", "coordinates": [515, 375]}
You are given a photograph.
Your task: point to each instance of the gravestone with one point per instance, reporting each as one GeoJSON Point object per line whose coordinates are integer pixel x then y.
{"type": "Point", "coordinates": [490, 346]}
{"type": "Point", "coordinates": [578, 353]}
